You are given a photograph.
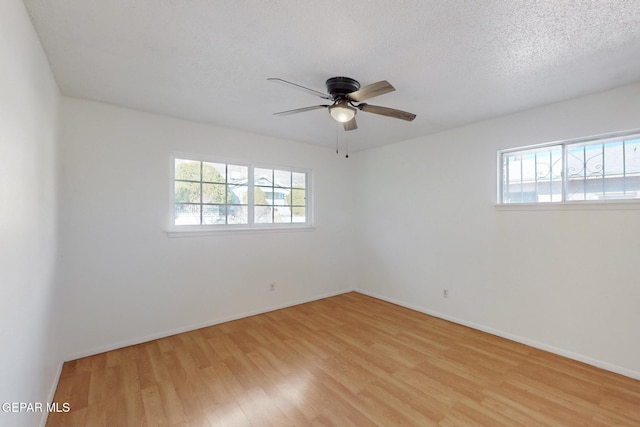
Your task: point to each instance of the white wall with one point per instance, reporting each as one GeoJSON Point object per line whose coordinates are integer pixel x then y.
{"type": "Point", "coordinates": [126, 281]}
{"type": "Point", "coordinates": [29, 97]}
{"type": "Point", "coordinates": [562, 280]}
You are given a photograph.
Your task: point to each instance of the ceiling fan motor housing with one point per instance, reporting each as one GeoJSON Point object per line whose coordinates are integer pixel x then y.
{"type": "Point", "coordinates": [340, 87]}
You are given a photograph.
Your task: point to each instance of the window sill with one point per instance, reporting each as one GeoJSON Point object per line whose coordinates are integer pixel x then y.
{"type": "Point", "coordinates": [175, 233]}
{"type": "Point", "coordinates": [618, 205]}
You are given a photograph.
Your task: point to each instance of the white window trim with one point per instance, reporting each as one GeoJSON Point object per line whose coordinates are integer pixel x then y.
{"type": "Point", "coordinates": [613, 204]}
{"type": "Point", "coordinates": [579, 205]}
{"type": "Point", "coordinates": [220, 229]}
{"type": "Point", "coordinates": [233, 230]}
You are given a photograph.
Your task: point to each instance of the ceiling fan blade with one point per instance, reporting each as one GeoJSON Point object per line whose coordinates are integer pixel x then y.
{"type": "Point", "coordinates": [374, 89]}
{"type": "Point", "coordinates": [386, 111]}
{"type": "Point", "coordinates": [350, 125]}
{"type": "Point", "coordinates": [300, 110]}
{"type": "Point", "coordinates": [299, 87]}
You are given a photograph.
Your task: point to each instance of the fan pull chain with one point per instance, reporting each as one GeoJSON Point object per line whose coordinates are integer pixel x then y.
{"type": "Point", "coordinates": [346, 139]}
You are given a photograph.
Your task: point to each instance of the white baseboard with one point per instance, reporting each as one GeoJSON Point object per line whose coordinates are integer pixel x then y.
{"type": "Point", "coordinates": [52, 392]}
{"type": "Point", "coordinates": [542, 346]}
{"type": "Point", "coordinates": [180, 330]}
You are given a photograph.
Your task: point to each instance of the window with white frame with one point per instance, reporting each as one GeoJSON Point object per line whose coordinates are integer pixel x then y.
{"type": "Point", "coordinates": [604, 168]}
{"type": "Point", "coordinates": [209, 194]}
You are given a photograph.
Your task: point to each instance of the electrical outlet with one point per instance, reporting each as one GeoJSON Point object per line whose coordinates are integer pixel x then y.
{"type": "Point", "coordinates": [272, 286]}
{"type": "Point", "coordinates": [445, 293]}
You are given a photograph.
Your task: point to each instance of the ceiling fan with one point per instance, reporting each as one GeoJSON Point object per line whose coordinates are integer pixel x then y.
{"type": "Point", "coordinates": [345, 92]}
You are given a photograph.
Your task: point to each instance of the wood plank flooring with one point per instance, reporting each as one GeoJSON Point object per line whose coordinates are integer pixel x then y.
{"type": "Point", "coordinates": [349, 360]}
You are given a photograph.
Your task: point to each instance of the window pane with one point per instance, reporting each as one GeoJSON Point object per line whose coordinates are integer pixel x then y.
{"type": "Point", "coordinates": [585, 165]}
{"type": "Point", "coordinates": [576, 173]}
{"type": "Point", "coordinates": [299, 180]}
{"type": "Point", "coordinates": [613, 180]}
{"type": "Point", "coordinates": [238, 215]}
{"type": "Point", "coordinates": [187, 214]}
{"type": "Point", "coordinates": [632, 168]}
{"type": "Point", "coordinates": [276, 196]}
{"type": "Point", "coordinates": [213, 214]}
{"type": "Point", "coordinates": [237, 174]}
{"type": "Point", "coordinates": [263, 215]}
{"type": "Point", "coordinates": [297, 197]}
{"type": "Point", "coordinates": [282, 178]}
{"type": "Point", "coordinates": [632, 187]}
{"type": "Point", "coordinates": [281, 214]}
{"type": "Point", "coordinates": [187, 192]}
{"type": "Point", "coordinates": [530, 176]}
{"type": "Point", "coordinates": [632, 157]}
{"type": "Point", "coordinates": [263, 177]}
{"type": "Point", "coordinates": [299, 214]}
{"type": "Point", "coordinates": [613, 162]}
{"type": "Point", "coordinates": [187, 169]}
{"type": "Point", "coordinates": [260, 195]}
{"type": "Point", "coordinates": [237, 194]}
{"type": "Point", "coordinates": [214, 172]}
{"type": "Point", "coordinates": [598, 171]}
{"type": "Point", "coordinates": [214, 193]}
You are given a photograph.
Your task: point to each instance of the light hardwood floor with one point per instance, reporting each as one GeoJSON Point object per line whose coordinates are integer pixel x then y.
{"type": "Point", "coordinates": [349, 360]}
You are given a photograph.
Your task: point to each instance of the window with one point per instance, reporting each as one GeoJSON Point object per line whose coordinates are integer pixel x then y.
{"type": "Point", "coordinates": [606, 168]}
{"type": "Point", "coordinates": [279, 196]}
{"type": "Point", "coordinates": [210, 195]}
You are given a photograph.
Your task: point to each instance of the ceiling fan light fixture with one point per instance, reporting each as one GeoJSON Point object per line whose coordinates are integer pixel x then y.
{"type": "Point", "coordinates": [342, 112]}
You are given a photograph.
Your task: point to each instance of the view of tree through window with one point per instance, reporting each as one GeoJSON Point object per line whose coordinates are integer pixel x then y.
{"type": "Point", "coordinates": [209, 193]}
{"type": "Point", "coordinates": [603, 169]}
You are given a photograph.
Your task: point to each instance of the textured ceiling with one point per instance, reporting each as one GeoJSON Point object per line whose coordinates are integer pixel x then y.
{"type": "Point", "coordinates": [452, 62]}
